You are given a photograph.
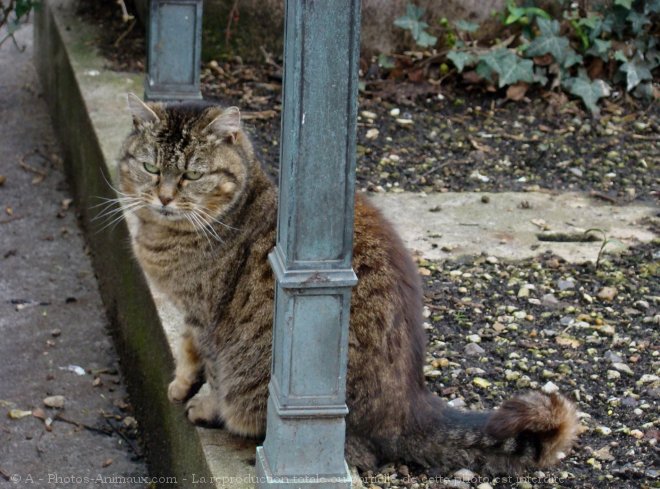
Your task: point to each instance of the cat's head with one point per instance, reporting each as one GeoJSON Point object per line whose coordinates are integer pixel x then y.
{"type": "Point", "coordinates": [184, 162]}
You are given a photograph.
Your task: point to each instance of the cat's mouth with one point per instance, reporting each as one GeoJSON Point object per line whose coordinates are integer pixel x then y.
{"type": "Point", "coordinates": [168, 213]}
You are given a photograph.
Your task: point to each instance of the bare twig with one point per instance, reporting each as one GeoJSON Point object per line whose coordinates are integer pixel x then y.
{"type": "Point", "coordinates": [125, 33]}
{"type": "Point", "coordinates": [128, 441]}
{"type": "Point", "coordinates": [230, 19]}
{"type": "Point", "coordinates": [124, 11]}
{"type": "Point", "coordinates": [59, 417]}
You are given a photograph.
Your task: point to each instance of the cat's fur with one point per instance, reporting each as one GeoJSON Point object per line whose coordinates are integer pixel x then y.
{"type": "Point", "coordinates": [221, 279]}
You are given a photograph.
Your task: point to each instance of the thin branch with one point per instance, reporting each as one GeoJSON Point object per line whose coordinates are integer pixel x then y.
{"type": "Point", "coordinates": [230, 19]}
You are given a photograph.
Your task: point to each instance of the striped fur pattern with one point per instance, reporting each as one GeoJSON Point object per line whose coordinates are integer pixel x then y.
{"type": "Point", "coordinates": [204, 241]}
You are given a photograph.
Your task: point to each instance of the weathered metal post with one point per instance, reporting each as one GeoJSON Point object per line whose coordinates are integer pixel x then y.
{"type": "Point", "coordinates": [174, 45]}
{"type": "Point", "coordinates": [304, 446]}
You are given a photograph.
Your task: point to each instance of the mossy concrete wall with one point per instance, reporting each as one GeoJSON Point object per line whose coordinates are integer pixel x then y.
{"type": "Point", "coordinates": [87, 104]}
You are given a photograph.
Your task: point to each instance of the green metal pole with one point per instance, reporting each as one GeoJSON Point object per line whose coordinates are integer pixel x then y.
{"type": "Point", "coordinates": [174, 46]}
{"type": "Point", "coordinates": [304, 446]}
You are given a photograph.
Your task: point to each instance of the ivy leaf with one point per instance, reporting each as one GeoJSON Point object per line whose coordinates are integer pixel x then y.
{"type": "Point", "coordinates": [460, 59]}
{"type": "Point", "coordinates": [600, 48]}
{"type": "Point", "coordinates": [466, 26]}
{"type": "Point", "coordinates": [425, 39]}
{"type": "Point", "coordinates": [510, 68]}
{"type": "Point", "coordinates": [636, 71]}
{"type": "Point", "coordinates": [589, 91]}
{"type": "Point", "coordinates": [572, 58]}
{"type": "Point", "coordinates": [637, 21]}
{"type": "Point", "coordinates": [624, 3]}
{"type": "Point", "coordinates": [615, 21]}
{"type": "Point", "coordinates": [413, 22]}
{"type": "Point", "coordinates": [484, 71]}
{"type": "Point", "coordinates": [619, 55]}
{"type": "Point", "coordinates": [652, 6]}
{"type": "Point", "coordinates": [549, 41]}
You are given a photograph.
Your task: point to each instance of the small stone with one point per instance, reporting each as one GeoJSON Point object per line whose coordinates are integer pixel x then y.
{"type": "Point", "coordinates": [520, 315]}
{"type": "Point", "coordinates": [372, 133]}
{"type": "Point", "coordinates": [54, 402]}
{"type": "Point", "coordinates": [511, 375]}
{"type": "Point", "coordinates": [130, 422]}
{"type": "Point", "coordinates": [648, 379]}
{"type": "Point", "coordinates": [576, 171]}
{"type": "Point", "coordinates": [3, 179]}
{"type": "Point", "coordinates": [474, 338]}
{"type": "Point", "coordinates": [484, 485]}
{"type": "Point", "coordinates": [613, 357]}
{"type": "Point", "coordinates": [613, 375]}
{"type": "Point", "coordinates": [642, 305]}
{"type": "Point", "coordinates": [56, 332]}
{"type": "Point", "coordinates": [603, 430]}
{"type": "Point", "coordinates": [604, 454]}
{"type": "Point", "coordinates": [637, 434]}
{"type": "Point", "coordinates": [405, 122]}
{"type": "Point", "coordinates": [485, 199]}
{"type": "Point", "coordinates": [566, 320]}
{"type": "Point", "coordinates": [565, 284]}
{"type": "Point", "coordinates": [549, 300]}
{"type": "Point", "coordinates": [607, 293]}
{"type": "Point", "coordinates": [523, 292]}
{"type": "Point", "coordinates": [550, 388]}
{"type": "Point", "coordinates": [368, 114]}
{"type": "Point", "coordinates": [481, 382]}
{"type": "Point", "coordinates": [595, 463]}
{"type": "Point", "coordinates": [440, 363]}
{"type": "Point", "coordinates": [606, 329]}
{"type": "Point", "coordinates": [622, 367]}
{"type": "Point", "coordinates": [457, 403]}
{"type": "Point", "coordinates": [395, 112]}
{"type": "Point", "coordinates": [18, 413]}
{"type": "Point", "coordinates": [432, 374]}
{"type": "Point", "coordinates": [472, 349]}
{"type": "Point", "coordinates": [464, 475]}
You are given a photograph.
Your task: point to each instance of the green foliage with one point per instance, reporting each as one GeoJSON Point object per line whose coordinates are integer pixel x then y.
{"type": "Point", "coordinates": [589, 91]}
{"type": "Point", "coordinates": [509, 67]}
{"type": "Point", "coordinates": [413, 22]}
{"type": "Point", "coordinates": [12, 14]}
{"type": "Point", "coordinates": [623, 36]}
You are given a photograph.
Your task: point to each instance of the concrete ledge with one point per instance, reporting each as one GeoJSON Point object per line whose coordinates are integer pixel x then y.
{"type": "Point", "coordinates": [88, 106]}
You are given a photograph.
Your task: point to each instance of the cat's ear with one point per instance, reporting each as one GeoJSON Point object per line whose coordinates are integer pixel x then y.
{"type": "Point", "coordinates": [226, 125]}
{"type": "Point", "coordinates": [141, 112]}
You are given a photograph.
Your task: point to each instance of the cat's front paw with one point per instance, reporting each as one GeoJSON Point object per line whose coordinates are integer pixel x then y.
{"type": "Point", "coordinates": [202, 411]}
{"type": "Point", "coordinates": [179, 390]}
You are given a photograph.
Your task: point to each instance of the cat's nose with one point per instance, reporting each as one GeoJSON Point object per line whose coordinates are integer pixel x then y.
{"type": "Point", "coordinates": [165, 199]}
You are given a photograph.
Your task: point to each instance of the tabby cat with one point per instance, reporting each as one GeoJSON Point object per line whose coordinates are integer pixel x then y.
{"type": "Point", "coordinates": [207, 219]}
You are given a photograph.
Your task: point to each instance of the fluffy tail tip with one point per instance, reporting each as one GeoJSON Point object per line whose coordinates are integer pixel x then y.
{"type": "Point", "coordinates": [550, 419]}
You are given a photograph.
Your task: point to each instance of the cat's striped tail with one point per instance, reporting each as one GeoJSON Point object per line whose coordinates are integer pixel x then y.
{"type": "Point", "coordinates": [530, 431]}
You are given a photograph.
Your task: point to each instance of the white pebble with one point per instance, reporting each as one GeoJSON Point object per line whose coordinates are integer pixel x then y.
{"type": "Point", "coordinates": [550, 388]}
{"type": "Point", "coordinates": [395, 112]}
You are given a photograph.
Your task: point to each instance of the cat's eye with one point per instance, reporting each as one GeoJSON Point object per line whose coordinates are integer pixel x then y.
{"type": "Point", "coordinates": [151, 168]}
{"type": "Point", "coordinates": [193, 175]}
